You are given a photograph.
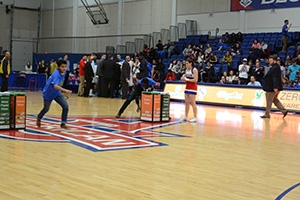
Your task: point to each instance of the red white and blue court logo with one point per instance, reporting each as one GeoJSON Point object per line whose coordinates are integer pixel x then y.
{"type": "Point", "coordinates": [94, 133]}
{"type": "Point", "coordinates": [245, 3]}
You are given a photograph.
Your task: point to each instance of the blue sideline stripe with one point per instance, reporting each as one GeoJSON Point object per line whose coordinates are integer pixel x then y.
{"type": "Point", "coordinates": [287, 191]}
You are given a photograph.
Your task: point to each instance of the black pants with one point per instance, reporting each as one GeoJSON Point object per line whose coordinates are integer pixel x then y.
{"type": "Point", "coordinates": [4, 86]}
{"type": "Point", "coordinates": [100, 86]}
{"type": "Point", "coordinates": [65, 84]}
{"type": "Point", "coordinates": [131, 97]}
{"type": "Point", "coordinates": [108, 87]}
{"type": "Point", "coordinates": [125, 88]}
{"type": "Point", "coordinates": [88, 84]}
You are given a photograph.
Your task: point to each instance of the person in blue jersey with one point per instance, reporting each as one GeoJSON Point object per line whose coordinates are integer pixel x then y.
{"type": "Point", "coordinates": [284, 34]}
{"type": "Point", "coordinates": [53, 91]}
{"type": "Point", "coordinates": [142, 85]}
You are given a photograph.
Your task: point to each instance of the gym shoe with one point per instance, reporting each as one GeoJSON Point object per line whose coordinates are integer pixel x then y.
{"type": "Point", "coordinates": [285, 113]}
{"type": "Point", "coordinates": [64, 126]}
{"type": "Point", "coordinates": [265, 117]}
{"type": "Point", "coordinates": [38, 123]}
{"type": "Point", "coordinates": [118, 115]}
{"type": "Point", "coordinates": [184, 119]}
{"type": "Point", "coordinates": [194, 120]}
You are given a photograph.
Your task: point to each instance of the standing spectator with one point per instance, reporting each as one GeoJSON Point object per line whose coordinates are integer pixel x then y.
{"type": "Point", "coordinates": [88, 76]}
{"type": "Point", "coordinates": [108, 77]}
{"type": "Point", "coordinates": [243, 72]}
{"type": "Point", "coordinates": [99, 73]}
{"type": "Point", "coordinates": [143, 66]}
{"type": "Point", "coordinates": [66, 58]}
{"type": "Point", "coordinates": [284, 33]}
{"type": "Point", "coordinates": [125, 75]}
{"type": "Point", "coordinates": [5, 71]}
{"type": "Point", "coordinates": [273, 85]}
{"type": "Point", "coordinates": [81, 75]}
{"type": "Point", "coordinates": [253, 82]}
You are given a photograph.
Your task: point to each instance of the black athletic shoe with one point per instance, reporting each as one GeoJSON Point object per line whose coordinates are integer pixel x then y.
{"type": "Point", "coordinates": [284, 114]}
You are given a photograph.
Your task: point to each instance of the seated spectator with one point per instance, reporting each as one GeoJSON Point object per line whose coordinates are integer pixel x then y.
{"type": "Point", "coordinates": [221, 45]}
{"type": "Point", "coordinates": [187, 50]}
{"type": "Point", "coordinates": [213, 59]}
{"type": "Point", "coordinates": [159, 46]}
{"type": "Point", "coordinates": [239, 37]}
{"type": "Point", "coordinates": [201, 48]}
{"type": "Point", "coordinates": [42, 68]}
{"type": "Point", "coordinates": [28, 67]}
{"type": "Point", "coordinates": [257, 72]}
{"type": "Point", "coordinates": [160, 66]}
{"type": "Point", "coordinates": [200, 57]}
{"type": "Point", "coordinates": [226, 38]}
{"type": "Point", "coordinates": [233, 38]}
{"type": "Point", "coordinates": [223, 80]}
{"type": "Point", "coordinates": [265, 52]}
{"type": "Point", "coordinates": [231, 76]}
{"type": "Point", "coordinates": [243, 72]}
{"type": "Point", "coordinates": [298, 59]}
{"type": "Point", "coordinates": [166, 48]}
{"type": "Point", "coordinates": [297, 52]}
{"type": "Point", "coordinates": [176, 69]}
{"type": "Point", "coordinates": [227, 58]}
{"type": "Point", "coordinates": [208, 73]}
{"type": "Point", "coordinates": [236, 49]}
{"type": "Point", "coordinates": [255, 45]}
{"type": "Point", "coordinates": [255, 51]}
{"type": "Point", "coordinates": [183, 68]}
{"type": "Point", "coordinates": [293, 70]}
{"type": "Point", "coordinates": [236, 80]}
{"type": "Point", "coordinates": [146, 51]}
{"type": "Point", "coordinates": [157, 78]}
{"type": "Point", "coordinates": [170, 76]}
{"type": "Point", "coordinates": [206, 57]}
{"type": "Point", "coordinates": [174, 62]}
{"type": "Point", "coordinates": [172, 50]}
{"type": "Point", "coordinates": [208, 49]}
{"type": "Point", "coordinates": [288, 61]}
{"type": "Point", "coordinates": [253, 82]}
{"type": "Point", "coordinates": [281, 65]}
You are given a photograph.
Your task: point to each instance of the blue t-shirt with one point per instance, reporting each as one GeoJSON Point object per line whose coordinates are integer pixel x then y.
{"type": "Point", "coordinates": [150, 82]}
{"type": "Point", "coordinates": [293, 69]}
{"type": "Point", "coordinates": [284, 31]}
{"type": "Point", "coordinates": [49, 92]}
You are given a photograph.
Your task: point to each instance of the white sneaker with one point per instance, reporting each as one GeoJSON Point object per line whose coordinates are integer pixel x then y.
{"type": "Point", "coordinates": [184, 119]}
{"type": "Point", "coordinates": [194, 120]}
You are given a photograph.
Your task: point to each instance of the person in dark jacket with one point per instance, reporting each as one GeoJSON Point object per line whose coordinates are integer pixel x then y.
{"type": "Point", "coordinates": [272, 86]}
{"type": "Point", "coordinates": [88, 77]}
{"type": "Point", "coordinates": [143, 66]}
{"type": "Point", "coordinates": [125, 76]}
{"type": "Point", "coordinates": [108, 69]}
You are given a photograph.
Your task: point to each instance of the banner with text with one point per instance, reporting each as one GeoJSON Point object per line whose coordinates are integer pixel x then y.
{"type": "Point", "coordinates": [263, 4]}
{"type": "Point", "coordinates": [238, 96]}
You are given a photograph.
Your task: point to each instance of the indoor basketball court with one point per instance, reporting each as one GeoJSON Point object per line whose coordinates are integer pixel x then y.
{"type": "Point", "coordinates": [229, 154]}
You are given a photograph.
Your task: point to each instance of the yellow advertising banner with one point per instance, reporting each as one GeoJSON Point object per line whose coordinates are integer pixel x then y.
{"type": "Point", "coordinates": [238, 96]}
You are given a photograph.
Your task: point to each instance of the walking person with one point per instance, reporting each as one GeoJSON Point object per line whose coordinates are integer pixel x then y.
{"type": "Point", "coordinates": [53, 91]}
{"type": "Point", "coordinates": [272, 86]}
{"type": "Point", "coordinates": [5, 71]}
{"type": "Point", "coordinates": [190, 78]}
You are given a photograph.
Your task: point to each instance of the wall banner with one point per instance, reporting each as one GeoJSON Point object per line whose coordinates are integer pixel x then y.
{"type": "Point", "coordinates": [262, 4]}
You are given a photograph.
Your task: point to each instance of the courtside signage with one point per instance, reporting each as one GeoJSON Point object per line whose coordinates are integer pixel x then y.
{"type": "Point", "coordinates": [93, 133]}
{"type": "Point", "coordinates": [262, 4]}
{"type": "Point", "coordinates": [243, 96]}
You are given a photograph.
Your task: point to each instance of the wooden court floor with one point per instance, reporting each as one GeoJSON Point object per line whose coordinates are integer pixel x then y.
{"type": "Point", "coordinates": [229, 154]}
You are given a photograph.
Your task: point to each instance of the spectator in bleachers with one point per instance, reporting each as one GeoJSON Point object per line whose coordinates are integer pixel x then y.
{"type": "Point", "coordinates": [170, 76]}
{"type": "Point", "coordinates": [253, 82]}
{"type": "Point", "coordinates": [251, 66]}
{"type": "Point", "coordinates": [135, 55]}
{"type": "Point", "coordinates": [225, 74]}
{"type": "Point", "coordinates": [265, 52]}
{"type": "Point", "coordinates": [159, 46]}
{"type": "Point", "coordinates": [226, 38]}
{"type": "Point", "coordinates": [255, 45]}
{"type": "Point", "coordinates": [257, 72]}
{"type": "Point", "coordinates": [146, 51]}
{"type": "Point", "coordinates": [284, 33]}
{"type": "Point", "coordinates": [233, 38]}
{"type": "Point", "coordinates": [266, 67]}
{"type": "Point", "coordinates": [183, 68]}
{"type": "Point", "coordinates": [239, 37]}
{"type": "Point", "coordinates": [221, 45]}
{"type": "Point", "coordinates": [173, 63]}
{"type": "Point", "coordinates": [293, 70]}
{"type": "Point", "coordinates": [298, 59]}
{"type": "Point", "coordinates": [208, 73]}
{"type": "Point", "coordinates": [160, 66]}
{"type": "Point", "coordinates": [143, 66]}
{"type": "Point", "coordinates": [187, 50]}
{"type": "Point", "coordinates": [172, 50]}
{"type": "Point", "coordinates": [227, 59]}
{"type": "Point", "coordinates": [201, 48]}
{"type": "Point", "coordinates": [231, 76]}
{"type": "Point", "coordinates": [166, 48]}
{"type": "Point", "coordinates": [153, 54]}
{"type": "Point", "coordinates": [243, 72]}
{"type": "Point", "coordinates": [157, 77]}
{"type": "Point", "coordinates": [236, 49]}
{"type": "Point", "coordinates": [255, 51]}
{"type": "Point", "coordinates": [206, 57]}
{"type": "Point", "coordinates": [297, 52]}
{"type": "Point", "coordinates": [213, 59]}
{"type": "Point", "coordinates": [236, 80]}
{"type": "Point", "coordinates": [200, 57]}
{"type": "Point", "coordinates": [28, 67]}
{"type": "Point", "coordinates": [288, 61]}
{"type": "Point", "coordinates": [281, 65]}
{"type": "Point", "coordinates": [223, 80]}
{"type": "Point", "coordinates": [208, 49]}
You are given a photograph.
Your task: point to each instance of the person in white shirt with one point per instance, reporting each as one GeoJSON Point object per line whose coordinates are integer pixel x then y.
{"type": "Point", "coordinates": [253, 82]}
{"type": "Point", "coordinates": [28, 67]}
{"type": "Point", "coordinates": [243, 72]}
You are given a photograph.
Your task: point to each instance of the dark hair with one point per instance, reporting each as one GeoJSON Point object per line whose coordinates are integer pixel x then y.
{"type": "Point", "coordinates": [60, 62]}
{"type": "Point", "coordinates": [285, 21]}
{"type": "Point", "coordinates": [110, 56]}
{"type": "Point", "coordinates": [191, 61]}
{"type": "Point", "coordinates": [145, 80]}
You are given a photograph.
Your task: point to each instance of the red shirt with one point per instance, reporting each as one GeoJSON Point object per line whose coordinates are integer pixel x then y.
{"type": "Point", "coordinates": [81, 67]}
{"type": "Point", "coordinates": [170, 77]}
